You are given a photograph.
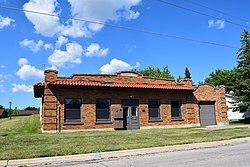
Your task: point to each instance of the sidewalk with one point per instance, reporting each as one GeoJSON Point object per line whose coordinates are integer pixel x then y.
{"type": "Point", "coordinates": [123, 153]}
{"type": "Point", "coordinates": [216, 127]}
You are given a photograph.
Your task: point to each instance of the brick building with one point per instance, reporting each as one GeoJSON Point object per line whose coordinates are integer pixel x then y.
{"type": "Point", "coordinates": [126, 100]}
{"type": "Point", "coordinates": [3, 113]}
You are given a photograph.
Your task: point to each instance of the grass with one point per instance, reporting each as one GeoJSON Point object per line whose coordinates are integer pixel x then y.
{"type": "Point", "coordinates": [239, 122]}
{"type": "Point", "coordinates": [21, 138]}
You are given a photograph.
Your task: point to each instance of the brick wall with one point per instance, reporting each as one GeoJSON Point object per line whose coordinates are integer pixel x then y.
{"type": "Point", "coordinates": [53, 101]}
{"type": "Point", "coordinates": [49, 114]}
{"type": "Point", "coordinates": [120, 78]}
{"type": "Point", "coordinates": [208, 92]}
{"type": "Point", "coordinates": [89, 96]}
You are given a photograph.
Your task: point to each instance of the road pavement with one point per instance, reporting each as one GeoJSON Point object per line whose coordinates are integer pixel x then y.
{"type": "Point", "coordinates": [219, 153]}
{"type": "Point", "coordinates": [232, 155]}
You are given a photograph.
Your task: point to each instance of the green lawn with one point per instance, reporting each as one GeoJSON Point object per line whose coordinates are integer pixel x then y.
{"type": "Point", "coordinates": [21, 138]}
{"type": "Point", "coordinates": [239, 122]}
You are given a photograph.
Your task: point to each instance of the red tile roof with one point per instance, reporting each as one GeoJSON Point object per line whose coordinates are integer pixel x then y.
{"type": "Point", "coordinates": [70, 82]}
{"type": "Point", "coordinates": [39, 84]}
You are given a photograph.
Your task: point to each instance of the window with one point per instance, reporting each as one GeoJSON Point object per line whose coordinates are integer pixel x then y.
{"type": "Point", "coordinates": [134, 111]}
{"type": "Point", "coordinates": [72, 110]}
{"type": "Point", "coordinates": [176, 110]}
{"type": "Point", "coordinates": [154, 109]}
{"type": "Point", "coordinates": [103, 110]}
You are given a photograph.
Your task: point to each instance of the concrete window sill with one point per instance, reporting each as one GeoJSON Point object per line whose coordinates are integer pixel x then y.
{"type": "Point", "coordinates": [73, 123]}
{"type": "Point", "coordinates": [155, 120]}
{"type": "Point", "coordinates": [177, 119]}
{"type": "Point", "coordinates": [103, 122]}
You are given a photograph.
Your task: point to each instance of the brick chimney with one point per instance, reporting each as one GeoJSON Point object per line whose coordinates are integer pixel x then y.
{"type": "Point", "coordinates": [187, 82]}
{"type": "Point", "coordinates": [50, 75]}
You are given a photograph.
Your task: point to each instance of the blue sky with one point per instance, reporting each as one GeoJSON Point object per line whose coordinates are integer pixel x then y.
{"type": "Point", "coordinates": [31, 43]}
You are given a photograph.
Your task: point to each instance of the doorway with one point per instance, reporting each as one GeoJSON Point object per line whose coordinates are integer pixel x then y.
{"type": "Point", "coordinates": [207, 113]}
{"type": "Point", "coordinates": [131, 117]}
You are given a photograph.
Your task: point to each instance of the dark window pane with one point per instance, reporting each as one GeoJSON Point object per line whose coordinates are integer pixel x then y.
{"type": "Point", "coordinates": [153, 103]}
{"type": "Point", "coordinates": [103, 109]}
{"type": "Point", "coordinates": [154, 112]}
{"type": "Point", "coordinates": [102, 103]}
{"type": "Point", "coordinates": [176, 109]}
{"type": "Point", "coordinates": [130, 102]}
{"type": "Point", "coordinates": [134, 102]}
{"type": "Point", "coordinates": [102, 114]}
{"type": "Point", "coordinates": [72, 112]}
{"type": "Point", "coordinates": [154, 109]}
{"type": "Point", "coordinates": [133, 111]}
{"type": "Point", "coordinates": [175, 104]}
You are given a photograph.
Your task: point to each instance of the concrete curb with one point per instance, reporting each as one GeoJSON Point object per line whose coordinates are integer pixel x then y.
{"type": "Point", "coordinates": [224, 127]}
{"type": "Point", "coordinates": [122, 153]}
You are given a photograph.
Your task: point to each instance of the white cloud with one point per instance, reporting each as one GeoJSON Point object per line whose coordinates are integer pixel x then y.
{"type": "Point", "coordinates": [22, 88]}
{"type": "Point", "coordinates": [33, 46]}
{"type": "Point", "coordinates": [103, 11]}
{"type": "Point", "coordinates": [27, 71]}
{"type": "Point", "coordinates": [2, 66]}
{"type": "Point", "coordinates": [22, 61]}
{"type": "Point", "coordinates": [95, 49]}
{"type": "Point", "coordinates": [130, 15]}
{"type": "Point", "coordinates": [72, 55]}
{"type": "Point", "coordinates": [94, 10]}
{"type": "Point", "coordinates": [137, 65]}
{"type": "Point", "coordinates": [5, 21]}
{"type": "Point", "coordinates": [60, 41]}
{"type": "Point", "coordinates": [45, 25]}
{"type": "Point", "coordinates": [133, 47]}
{"type": "Point", "coordinates": [219, 24]}
{"type": "Point", "coordinates": [51, 68]}
{"type": "Point", "coordinates": [117, 65]}
{"type": "Point", "coordinates": [48, 46]}
{"type": "Point", "coordinates": [3, 77]}
{"type": "Point", "coordinates": [75, 29]}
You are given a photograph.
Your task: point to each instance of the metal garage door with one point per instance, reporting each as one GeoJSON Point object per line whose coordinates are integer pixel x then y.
{"type": "Point", "coordinates": [207, 113]}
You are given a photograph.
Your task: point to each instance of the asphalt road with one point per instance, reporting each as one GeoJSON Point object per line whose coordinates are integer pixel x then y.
{"type": "Point", "coordinates": [223, 156]}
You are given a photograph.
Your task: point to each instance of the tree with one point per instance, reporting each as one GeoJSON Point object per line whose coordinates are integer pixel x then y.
{"type": "Point", "coordinates": [187, 73]}
{"type": "Point", "coordinates": [243, 72]}
{"type": "Point", "coordinates": [179, 79]}
{"type": "Point", "coordinates": [223, 77]}
{"type": "Point", "coordinates": [31, 108]}
{"type": "Point", "coordinates": [156, 72]}
{"type": "Point", "coordinates": [1, 107]}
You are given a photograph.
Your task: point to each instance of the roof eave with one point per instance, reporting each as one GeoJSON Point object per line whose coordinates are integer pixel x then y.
{"type": "Point", "coordinates": [38, 91]}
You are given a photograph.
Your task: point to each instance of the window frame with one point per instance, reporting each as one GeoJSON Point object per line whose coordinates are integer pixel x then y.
{"type": "Point", "coordinates": [109, 109]}
{"type": "Point", "coordinates": [158, 118]}
{"type": "Point", "coordinates": [180, 110]}
{"type": "Point", "coordinates": [73, 120]}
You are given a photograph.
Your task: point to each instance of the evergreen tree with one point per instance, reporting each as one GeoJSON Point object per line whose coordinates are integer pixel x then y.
{"type": "Point", "coordinates": [187, 73]}
{"type": "Point", "coordinates": [179, 78]}
{"type": "Point", "coordinates": [243, 72]}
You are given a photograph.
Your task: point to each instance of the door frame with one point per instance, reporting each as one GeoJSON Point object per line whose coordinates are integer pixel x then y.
{"type": "Point", "coordinates": [129, 116]}
{"type": "Point", "coordinates": [212, 103]}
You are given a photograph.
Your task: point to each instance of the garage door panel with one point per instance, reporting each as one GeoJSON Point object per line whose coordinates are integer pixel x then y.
{"type": "Point", "coordinates": [207, 113]}
{"type": "Point", "coordinates": [208, 122]}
